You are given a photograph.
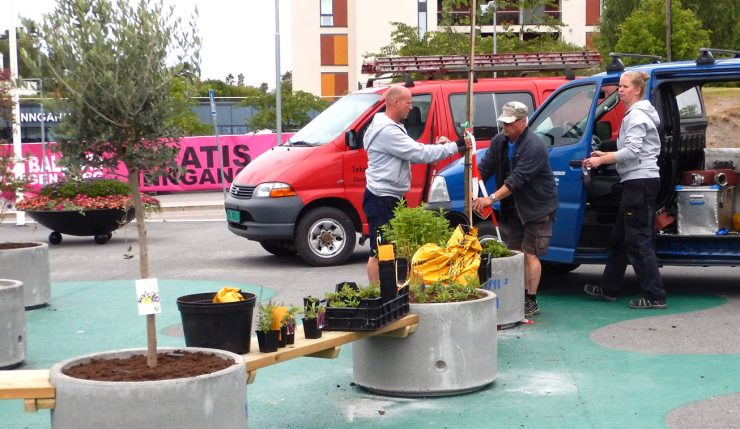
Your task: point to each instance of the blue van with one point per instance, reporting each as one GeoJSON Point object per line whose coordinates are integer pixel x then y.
{"type": "Point", "coordinates": [585, 115]}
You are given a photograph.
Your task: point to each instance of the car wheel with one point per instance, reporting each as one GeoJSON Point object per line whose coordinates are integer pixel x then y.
{"type": "Point", "coordinates": [325, 236]}
{"type": "Point", "coordinates": [279, 247]}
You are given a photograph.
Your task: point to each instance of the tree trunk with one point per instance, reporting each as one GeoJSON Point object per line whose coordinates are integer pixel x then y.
{"type": "Point", "coordinates": [151, 326]}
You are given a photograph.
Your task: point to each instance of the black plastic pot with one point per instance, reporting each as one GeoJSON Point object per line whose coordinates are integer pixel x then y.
{"type": "Point", "coordinates": [282, 340]}
{"type": "Point", "coordinates": [225, 326]}
{"type": "Point", "coordinates": [484, 270]}
{"type": "Point", "coordinates": [311, 329]}
{"type": "Point", "coordinates": [268, 341]}
{"type": "Point", "coordinates": [388, 281]}
{"type": "Point", "coordinates": [402, 269]}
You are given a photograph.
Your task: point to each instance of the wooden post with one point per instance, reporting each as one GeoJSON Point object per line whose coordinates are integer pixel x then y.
{"type": "Point", "coordinates": [468, 152]}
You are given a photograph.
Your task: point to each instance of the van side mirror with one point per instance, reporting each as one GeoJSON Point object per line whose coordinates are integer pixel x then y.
{"type": "Point", "coordinates": [350, 139]}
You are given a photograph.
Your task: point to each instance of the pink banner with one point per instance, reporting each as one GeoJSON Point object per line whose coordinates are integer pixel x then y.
{"type": "Point", "coordinates": [198, 160]}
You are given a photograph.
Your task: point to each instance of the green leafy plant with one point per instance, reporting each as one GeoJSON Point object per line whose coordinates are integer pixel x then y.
{"type": "Point", "coordinates": [412, 227]}
{"type": "Point", "coordinates": [266, 316]}
{"type": "Point", "coordinates": [439, 292]}
{"type": "Point", "coordinates": [312, 310]}
{"type": "Point", "coordinates": [496, 249]}
{"type": "Point", "coordinates": [290, 317]}
{"type": "Point", "coordinates": [348, 296]}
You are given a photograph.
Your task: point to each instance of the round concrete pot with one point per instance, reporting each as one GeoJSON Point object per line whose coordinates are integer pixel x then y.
{"type": "Point", "coordinates": [452, 351]}
{"type": "Point", "coordinates": [506, 280]}
{"type": "Point", "coordinates": [29, 265]}
{"type": "Point", "coordinates": [216, 400]}
{"type": "Point", "coordinates": [13, 323]}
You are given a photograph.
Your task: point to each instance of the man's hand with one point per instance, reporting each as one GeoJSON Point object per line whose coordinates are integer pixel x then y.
{"type": "Point", "coordinates": [480, 203]}
{"type": "Point", "coordinates": [442, 140]}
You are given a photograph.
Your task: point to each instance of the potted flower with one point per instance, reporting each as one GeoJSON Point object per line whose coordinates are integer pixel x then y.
{"type": "Point", "coordinates": [267, 336]}
{"type": "Point", "coordinates": [289, 322]}
{"type": "Point", "coordinates": [312, 323]}
{"type": "Point", "coordinates": [84, 207]}
{"type": "Point", "coordinates": [454, 348]}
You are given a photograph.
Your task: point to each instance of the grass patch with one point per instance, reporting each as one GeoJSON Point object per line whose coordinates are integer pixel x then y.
{"type": "Point", "coordinates": [716, 92]}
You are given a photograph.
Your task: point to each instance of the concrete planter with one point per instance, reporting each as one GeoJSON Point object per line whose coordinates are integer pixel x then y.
{"type": "Point", "coordinates": [506, 280]}
{"type": "Point", "coordinates": [13, 323]}
{"type": "Point", "coordinates": [29, 265]}
{"type": "Point", "coordinates": [453, 351]}
{"type": "Point", "coordinates": [216, 400]}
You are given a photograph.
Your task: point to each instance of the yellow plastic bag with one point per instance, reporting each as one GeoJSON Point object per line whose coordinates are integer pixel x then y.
{"type": "Point", "coordinates": [459, 259]}
{"type": "Point", "coordinates": [228, 294]}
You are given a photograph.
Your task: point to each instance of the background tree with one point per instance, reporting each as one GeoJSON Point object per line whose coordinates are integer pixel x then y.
{"type": "Point", "coordinates": [644, 31]}
{"type": "Point", "coordinates": [720, 17]}
{"type": "Point", "coordinates": [111, 64]}
{"type": "Point", "coordinates": [296, 107]}
{"type": "Point", "coordinates": [717, 16]}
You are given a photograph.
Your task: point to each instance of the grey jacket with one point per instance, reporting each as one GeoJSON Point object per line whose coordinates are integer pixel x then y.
{"type": "Point", "coordinates": [638, 144]}
{"type": "Point", "coordinates": [390, 152]}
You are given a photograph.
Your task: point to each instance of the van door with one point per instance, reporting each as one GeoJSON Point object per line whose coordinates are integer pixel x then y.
{"type": "Point", "coordinates": [564, 124]}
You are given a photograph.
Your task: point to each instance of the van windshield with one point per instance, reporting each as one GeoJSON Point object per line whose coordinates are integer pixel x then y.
{"type": "Point", "coordinates": [334, 120]}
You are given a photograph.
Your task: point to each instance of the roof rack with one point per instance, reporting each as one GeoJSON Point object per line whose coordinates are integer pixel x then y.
{"type": "Point", "coordinates": [617, 65]}
{"type": "Point", "coordinates": [706, 55]}
{"type": "Point", "coordinates": [438, 64]}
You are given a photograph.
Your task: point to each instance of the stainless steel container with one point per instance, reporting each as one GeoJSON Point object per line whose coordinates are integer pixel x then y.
{"type": "Point", "coordinates": [705, 210]}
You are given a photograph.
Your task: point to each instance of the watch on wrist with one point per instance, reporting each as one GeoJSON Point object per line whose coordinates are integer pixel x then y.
{"type": "Point", "coordinates": [492, 197]}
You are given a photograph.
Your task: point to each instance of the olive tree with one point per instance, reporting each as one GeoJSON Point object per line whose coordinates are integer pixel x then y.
{"type": "Point", "coordinates": [114, 63]}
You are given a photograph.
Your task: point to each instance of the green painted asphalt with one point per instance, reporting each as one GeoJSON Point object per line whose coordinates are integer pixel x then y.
{"type": "Point", "coordinates": [550, 374]}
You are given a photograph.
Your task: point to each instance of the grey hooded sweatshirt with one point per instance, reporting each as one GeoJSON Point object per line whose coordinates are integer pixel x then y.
{"type": "Point", "coordinates": [390, 152]}
{"type": "Point", "coordinates": [638, 144]}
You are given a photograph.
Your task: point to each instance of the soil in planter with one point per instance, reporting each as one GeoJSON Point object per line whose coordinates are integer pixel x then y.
{"type": "Point", "coordinates": [9, 246]}
{"type": "Point", "coordinates": [174, 364]}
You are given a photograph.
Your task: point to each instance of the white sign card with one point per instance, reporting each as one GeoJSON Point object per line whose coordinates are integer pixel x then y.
{"type": "Point", "coordinates": [147, 297]}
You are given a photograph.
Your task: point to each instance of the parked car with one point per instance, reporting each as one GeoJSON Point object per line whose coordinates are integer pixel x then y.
{"type": "Point", "coordinates": [585, 115]}
{"type": "Point", "coordinates": [305, 196]}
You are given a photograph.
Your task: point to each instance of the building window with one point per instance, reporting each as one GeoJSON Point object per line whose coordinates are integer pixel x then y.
{"type": "Point", "coordinates": [333, 13]}
{"type": "Point", "coordinates": [334, 85]}
{"type": "Point", "coordinates": [422, 17]}
{"type": "Point", "coordinates": [334, 49]}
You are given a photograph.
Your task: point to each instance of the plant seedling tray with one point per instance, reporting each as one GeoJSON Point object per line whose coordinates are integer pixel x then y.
{"type": "Point", "coordinates": [371, 314]}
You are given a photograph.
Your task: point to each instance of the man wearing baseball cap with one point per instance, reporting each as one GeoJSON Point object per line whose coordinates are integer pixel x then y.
{"type": "Point", "coordinates": [518, 160]}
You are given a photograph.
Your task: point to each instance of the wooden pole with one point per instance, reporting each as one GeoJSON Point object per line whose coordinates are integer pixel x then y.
{"type": "Point", "coordinates": [468, 152]}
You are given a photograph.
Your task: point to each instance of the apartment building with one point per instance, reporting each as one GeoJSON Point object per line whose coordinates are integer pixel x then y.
{"type": "Point", "coordinates": [330, 37]}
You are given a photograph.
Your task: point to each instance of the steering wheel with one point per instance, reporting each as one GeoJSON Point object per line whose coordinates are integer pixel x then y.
{"type": "Point", "coordinates": [571, 130]}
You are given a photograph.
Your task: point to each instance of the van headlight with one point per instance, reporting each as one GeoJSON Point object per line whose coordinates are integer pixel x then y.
{"type": "Point", "coordinates": [438, 190]}
{"type": "Point", "coordinates": [273, 190]}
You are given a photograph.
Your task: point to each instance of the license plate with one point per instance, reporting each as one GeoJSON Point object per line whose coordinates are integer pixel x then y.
{"type": "Point", "coordinates": [233, 216]}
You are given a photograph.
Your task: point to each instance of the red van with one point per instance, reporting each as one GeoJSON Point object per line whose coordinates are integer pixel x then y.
{"type": "Point", "coordinates": [305, 196]}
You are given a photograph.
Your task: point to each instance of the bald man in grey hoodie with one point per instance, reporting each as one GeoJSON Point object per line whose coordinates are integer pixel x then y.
{"type": "Point", "coordinates": [633, 236]}
{"type": "Point", "coordinates": [390, 152]}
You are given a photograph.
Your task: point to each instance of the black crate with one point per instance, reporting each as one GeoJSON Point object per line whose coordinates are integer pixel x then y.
{"type": "Point", "coordinates": [370, 315]}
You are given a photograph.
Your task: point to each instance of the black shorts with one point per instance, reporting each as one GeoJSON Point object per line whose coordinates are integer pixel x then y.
{"type": "Point", "coordinates": [378, 211]}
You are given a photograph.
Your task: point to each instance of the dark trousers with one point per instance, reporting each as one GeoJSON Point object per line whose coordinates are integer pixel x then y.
{"type": "Point", "coordinates": [633, 240]}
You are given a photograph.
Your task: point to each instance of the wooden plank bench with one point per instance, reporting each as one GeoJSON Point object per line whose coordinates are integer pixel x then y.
{"type": "Point", "coordinates": [34, 387]}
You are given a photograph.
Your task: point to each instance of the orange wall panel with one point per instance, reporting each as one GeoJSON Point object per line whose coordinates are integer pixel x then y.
{"type": "Point", "coordinates": [593, 12]}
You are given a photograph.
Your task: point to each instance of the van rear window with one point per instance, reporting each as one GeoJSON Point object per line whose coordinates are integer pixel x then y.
{"type": "Point", "coordinates": [486, 108]}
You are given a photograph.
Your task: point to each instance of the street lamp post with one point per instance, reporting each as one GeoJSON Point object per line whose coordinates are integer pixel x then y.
{"type": "Point", "coordinates": [488, 6]}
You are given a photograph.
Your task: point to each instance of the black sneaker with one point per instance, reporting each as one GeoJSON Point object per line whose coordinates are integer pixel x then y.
{"type": "Point", "coordinates": [598, 292]}
{"type": "Point", "coordinates": [644, 303]}
{"type": "Point", "coordinates": [531, 307]}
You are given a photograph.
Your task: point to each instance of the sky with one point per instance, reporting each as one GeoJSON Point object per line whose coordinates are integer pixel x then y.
{"type": "Point", "coordinates": [238, 36]}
